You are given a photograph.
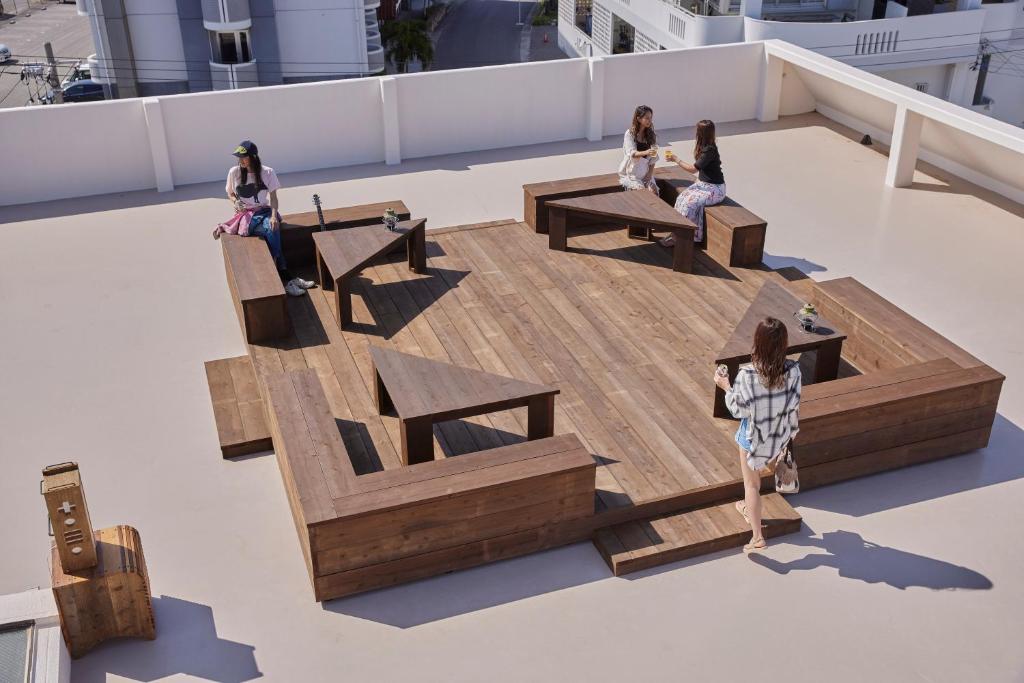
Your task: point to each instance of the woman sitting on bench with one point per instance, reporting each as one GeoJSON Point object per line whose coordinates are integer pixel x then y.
{"type": "Point", "coordinates": [639, 152]}
{"type": "Point", "coordinates": [710, 186]}
{"type": "Point", "coordinates": [252, 189]}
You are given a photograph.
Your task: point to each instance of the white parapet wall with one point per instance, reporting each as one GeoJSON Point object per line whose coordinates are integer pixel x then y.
{"type": "Point", "coordinates": [163, 142]}
{"type": "Point", "coordinates": [973, 146]}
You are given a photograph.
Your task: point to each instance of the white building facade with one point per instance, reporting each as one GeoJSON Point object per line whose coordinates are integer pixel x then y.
{"type": "Point", "coordinates": [964, 51]}
{"type": "Point", "coordinates": [163, 47]}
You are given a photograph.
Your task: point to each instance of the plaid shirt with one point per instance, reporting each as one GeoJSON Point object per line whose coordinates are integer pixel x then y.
{"type": "Point", "coordinates": [773, 415]}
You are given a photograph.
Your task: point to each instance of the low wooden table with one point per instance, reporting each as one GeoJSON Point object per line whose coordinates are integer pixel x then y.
{"type": "Point", "coordinates": [773, 300]}
{"type": "Point", "coordinates": [342, 254]}
{"type": "Point", "coordinates": [424, 391]}
{"type": "Point", "coordinates": [634, 209]}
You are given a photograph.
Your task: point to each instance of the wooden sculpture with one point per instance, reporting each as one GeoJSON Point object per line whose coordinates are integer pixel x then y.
{"type": "Point", "coordinates": [99, 578]}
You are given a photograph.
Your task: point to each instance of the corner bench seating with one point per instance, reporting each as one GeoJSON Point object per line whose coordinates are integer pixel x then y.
{"type": "Point", "coordinates": [733, 236]}
{"type": "Point", "coordinates": [373, 530]}
{"type": "Point", "coordinates": [921, 397]}
{"type": "Point", "coordinates": [256, 289]}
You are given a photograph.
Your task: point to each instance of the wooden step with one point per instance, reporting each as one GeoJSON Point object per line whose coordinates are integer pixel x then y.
{"type": "Point", "coordinates": [648, 543]}
{"type": "Point", "coordinates": [237, 407]}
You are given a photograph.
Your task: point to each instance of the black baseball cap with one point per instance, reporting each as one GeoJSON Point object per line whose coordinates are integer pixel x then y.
{"type": "Point", "coordinates": [246, 148]}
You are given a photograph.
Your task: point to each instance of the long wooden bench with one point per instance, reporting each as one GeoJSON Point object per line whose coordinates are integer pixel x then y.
{"type": "Point", "coordinates": [363, 532]}
{"type": "Point", "coordinates": [921, 397]}
{"type": "Point", "coordinates": [256, 289]}
{"type": "Point", "coordinates": [733, 235]}
{"type": "Point", "coordinates": [297, 228]}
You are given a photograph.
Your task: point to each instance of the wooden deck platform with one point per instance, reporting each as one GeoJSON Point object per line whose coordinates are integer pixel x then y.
{"type": "Point", "coordinates": [628, 342]}
{"type": "Point", "coordinates": [630, 345]}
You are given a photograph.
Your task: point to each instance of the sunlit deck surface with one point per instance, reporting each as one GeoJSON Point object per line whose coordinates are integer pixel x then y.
{"type": "Point", "coordinates": [629, 343]}
{"type": "Point", "coordinates": [112, 304]}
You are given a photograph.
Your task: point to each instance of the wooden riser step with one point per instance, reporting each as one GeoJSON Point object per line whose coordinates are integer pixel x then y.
{"type": "Point", "coordinates": [237, 407]}
{"type": "Point", "coordinates": [648, 543]}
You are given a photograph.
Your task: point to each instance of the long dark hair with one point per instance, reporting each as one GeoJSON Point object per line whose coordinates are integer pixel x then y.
{"type": "Point", "coordinates": [705, 136]}
{"type": "Point", "coordinates": [650, 137]}
{"type": "Point", "coordinates": [257, 169]}
{"type": "Point", "coordinates": [769, 353]}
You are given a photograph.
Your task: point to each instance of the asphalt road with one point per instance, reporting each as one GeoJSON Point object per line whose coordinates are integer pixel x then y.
{"type": "Point", "coordinates": [58, 24]}
{"type": "Point", "coordinates": [481, 32]}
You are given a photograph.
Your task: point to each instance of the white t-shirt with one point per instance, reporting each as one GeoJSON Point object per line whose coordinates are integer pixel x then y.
{"type": "Point", "coordinates": [270, 184]}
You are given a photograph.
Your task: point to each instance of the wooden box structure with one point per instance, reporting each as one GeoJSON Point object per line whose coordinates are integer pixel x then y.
{"type": "Point", "coordinates": [110, 600]}
{"type": "Point", "coordinates": [69, 516]}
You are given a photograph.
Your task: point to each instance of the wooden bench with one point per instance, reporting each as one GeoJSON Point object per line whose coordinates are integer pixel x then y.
{"type": "Point", "coordinates": [256, 289]}
{"type": "Point", "coordinates": [297, 228]}
{"type": "Point", "coordinates": [629, 210]}
{"type": "Point", "coordinates": [921, 397]}
{"type": "Point", "coordinates": [363, 532]}
{"type": "Point", "coordinates": [536, 195]}
{"type": "Point", "coordinates": [733, 235]}
{"type": "Point", "coordinates": [237, 407]}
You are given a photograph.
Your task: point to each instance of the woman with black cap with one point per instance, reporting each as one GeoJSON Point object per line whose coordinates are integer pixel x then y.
{"type": "Point", "coordinates": [251, 186]}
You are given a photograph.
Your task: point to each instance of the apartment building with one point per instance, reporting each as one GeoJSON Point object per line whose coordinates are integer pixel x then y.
{"type": "Point", "coordinates": [967, 52]}
{"type": "Point", "coordinates": [160, 47]}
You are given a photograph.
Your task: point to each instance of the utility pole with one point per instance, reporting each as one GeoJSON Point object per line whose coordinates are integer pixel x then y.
{"type": "Point", "coordinates": [53, 77]}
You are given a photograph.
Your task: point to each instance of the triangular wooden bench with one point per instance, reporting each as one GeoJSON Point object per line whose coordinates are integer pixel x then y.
{"type": "Point", "coordinates": [633, 209]}
{"type": "Point", "coordinates": [424, 391]}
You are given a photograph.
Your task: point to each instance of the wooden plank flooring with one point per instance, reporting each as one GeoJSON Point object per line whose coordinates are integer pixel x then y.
{"type": "Point", "coordinates": [628, 342]}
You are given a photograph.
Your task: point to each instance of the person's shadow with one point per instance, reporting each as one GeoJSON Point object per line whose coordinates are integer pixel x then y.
{"type": "Point", "coordinates": [856, 558]}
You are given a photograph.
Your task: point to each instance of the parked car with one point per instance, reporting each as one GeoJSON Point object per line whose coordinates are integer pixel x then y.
{"type": "Point", "coordinates": [79, 72]}
{"type": "Point", "coordinates": [83, 91]}
{"type": "Point", "coordinates": [5, 53]}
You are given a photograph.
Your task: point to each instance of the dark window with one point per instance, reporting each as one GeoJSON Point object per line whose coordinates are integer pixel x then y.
{"type": "Point", "coordinates": [584, 15]}
{"type": "Point", "coordinates": [244, 40]}
{"type": "Point", "coordinates": [228, 48]}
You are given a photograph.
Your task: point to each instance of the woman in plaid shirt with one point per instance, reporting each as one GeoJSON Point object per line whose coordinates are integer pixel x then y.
{"type": "Point", "coordinates": [766, 398]}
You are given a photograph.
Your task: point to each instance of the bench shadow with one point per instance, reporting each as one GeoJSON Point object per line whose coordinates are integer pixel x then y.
{"type": "Point", "coordinates": [997, 463]}
{"type": "Point", "coordinates": [653, 254]}
{"type": "Point", "coordinates": [482, 437]}
{"type": "Point", "coordinates": [856, 558]}
{"type": "Point", "coordinates": [393, 305]}
{"type": "Point", "coordinates": [187, 644]}
{"type": "Point", "coordinates": [358, 440]}
{"type": "Point", "coordinates": [475, 589]}
{"type": "Point", "coordinates": [792, 268]}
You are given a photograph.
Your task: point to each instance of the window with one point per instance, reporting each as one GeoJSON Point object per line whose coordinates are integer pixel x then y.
{"type": "Point", "coordinates": [16, 651]}
{"type": "Point", "coordinates": [231, 47]}
{"type": "Point", "coordinates": [584, 16]}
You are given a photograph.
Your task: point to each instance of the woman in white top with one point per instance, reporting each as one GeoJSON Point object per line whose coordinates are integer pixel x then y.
{"type": "Point", "coordinates": [639, 152]}
{"type": "Point", "coordinates": [252, 186]}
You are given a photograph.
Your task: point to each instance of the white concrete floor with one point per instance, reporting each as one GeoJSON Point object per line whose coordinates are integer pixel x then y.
{"type": "Point", "coordinates": [110, 305]}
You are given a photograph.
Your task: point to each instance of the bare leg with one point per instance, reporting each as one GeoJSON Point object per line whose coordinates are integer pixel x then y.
{"type": "Point", "coordinates": [752, 498]}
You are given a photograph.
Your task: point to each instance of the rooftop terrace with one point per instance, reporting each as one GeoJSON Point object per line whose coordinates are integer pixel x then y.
{"type": "Point", "coordinates": [113, 303]}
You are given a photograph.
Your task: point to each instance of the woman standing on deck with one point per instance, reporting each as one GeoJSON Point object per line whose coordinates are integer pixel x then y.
{"type": "Point", "coordinates": [766, 398]}
{"type": "Point", "coordinates": [639, 152]}
{"type": "Point", "coordinates": [710, 186]}
{"type": "Point", "coordinates": [252, 189]}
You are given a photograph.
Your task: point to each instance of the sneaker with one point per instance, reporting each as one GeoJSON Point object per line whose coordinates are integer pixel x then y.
{"type": "Point", "coordinates": [293, 289]}
{"type": "Point", "coordinates": [305, 284]}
